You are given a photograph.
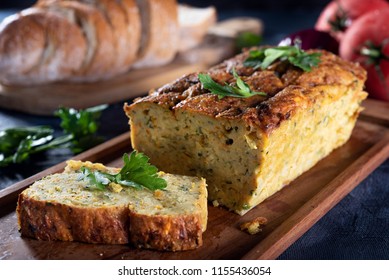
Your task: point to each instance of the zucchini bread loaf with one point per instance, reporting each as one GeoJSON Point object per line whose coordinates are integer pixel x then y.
{"type": "Point", "coordinates": [66, 207]}
{"type": "Point", "coordinates": [249, 148]}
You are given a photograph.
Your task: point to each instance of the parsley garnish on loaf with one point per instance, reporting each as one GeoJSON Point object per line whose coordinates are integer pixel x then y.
{"type": "Point", "coordinates": [263, 58]}
{"type": "Point", "coordinates": [137, 172]}
{"type": "Point", "coordinates": [241, 89]}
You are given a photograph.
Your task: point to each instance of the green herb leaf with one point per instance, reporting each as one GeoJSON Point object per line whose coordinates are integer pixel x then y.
{"type": "Point", "coordinates": [17, 145]}
{"type": "Point", "coordinates": [98, 180]}
{"type": "Point", "coordinates": [241, 90]}
{"type": "Point", "coordinates": [82, 125]}
{"type": "Point", "coordinates": [137, 172]}
{"type": "Point", "coordinates": [247, 39]}
{"type": "Point", "coordinates": [263, 58]}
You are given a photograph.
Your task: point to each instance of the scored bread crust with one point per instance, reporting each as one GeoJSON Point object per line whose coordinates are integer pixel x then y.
{"type": "Point", "coordinates": [123, 21]}
{"type": "Point", "coordinates": [133, 31]}
{"type": "Point", "coordinates": [55, 221]}
{"type": "Point", "coordinates": [118, 35]}
{"type": "Point", "coordinates": [159, 42]}
{"type": "Point", "coordinates": [20, 35]}
{"type": "Point", "coordinates": [98, 63]}
{"type": "Point", "coordinates": [59, 59]}
{"type": "Point", "coordinates": [115, 16]}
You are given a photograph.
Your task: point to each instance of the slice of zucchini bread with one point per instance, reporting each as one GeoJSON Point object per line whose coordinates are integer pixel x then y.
{"type": "Point", "coordinates": [67, 207]}
{"type": "Point", "coordinates": [249, 148]}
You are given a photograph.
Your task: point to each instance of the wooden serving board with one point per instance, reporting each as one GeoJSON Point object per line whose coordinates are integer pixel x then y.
{"type": "Point", "coordinates": [217, 45]}
{"type": "Point", "coordinates": [290, 212]}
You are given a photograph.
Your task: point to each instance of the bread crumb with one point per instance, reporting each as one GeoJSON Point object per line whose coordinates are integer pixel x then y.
{"type": "Point", "coordinates": [115, 187]}
{"type": "Point", "coordinates": [158, 194]}
{"type": "Point", "coordinates": [254, 226]}
{"type": "Point", "coordinates": [215, 203]}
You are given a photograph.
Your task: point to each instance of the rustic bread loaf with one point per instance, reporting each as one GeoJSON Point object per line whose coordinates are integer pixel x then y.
{"type": "Point", "coordinates": [32, 49]}
{"type": "Point", "coordinates": [91, 40]}
{"type": "Point", "coordinates": [65, 207]}
{"type": "Point", "coordinates": [249, 148]}
{"type": "Point", "coordinates": [159, 41]}
{"type": "Point", "coordinates": [194, 24]}
{"type": "Point", "coordinates": [112, 30]}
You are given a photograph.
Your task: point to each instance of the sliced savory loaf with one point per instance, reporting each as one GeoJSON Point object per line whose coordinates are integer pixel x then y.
{"type": "Point", "coordinates": [249, 148]}
{"type": "Point", "coordinates": [67, 207]}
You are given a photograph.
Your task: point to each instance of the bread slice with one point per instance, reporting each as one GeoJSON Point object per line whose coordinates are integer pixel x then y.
{"type": "Point", "coordinates": [159, 40]}
{"type": "Point", "coordinates": [116, 17]}
{"type": "Point", "coordinates": [249, 148]}
{"type": "Point", "coordinates": [53, 54]}
{"type": "Point", "coordinates": [133, 30]}
{"type": "Point", "coordinates": [65, 207]}
{"type": "Point", "coordinates": [194, 24]}
{"type": "Point", "coordinates": [98, 62]}
{"type": "Point", "coordinates": [20, 35]}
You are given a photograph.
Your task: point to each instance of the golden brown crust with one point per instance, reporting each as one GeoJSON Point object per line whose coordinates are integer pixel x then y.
{"type": "Point", "coordinates": [107, 34]}
{"type": "Point", "coordinates": [20, 35]}
{"type": "Point", "coordinates": [55, 221]}
{"type": "Point", "coordinates": [123, 21]}
{"type": "Point", "coordinates": [53, 54]}
{"type": "Point", "coordinates": [99, 65]}
{"type": "Point", "coordinates": [288, 89]}
{"type": "Point", "coordinates": [60, 207]}
{"type": "Point", "coordinates": [115, 16]}
{"type": "Point", "coordinates": [133, 32]}
{"type": "Point", "coordinates": [167, 233]}
{"type": "Point", "coordinates": [160, 25]}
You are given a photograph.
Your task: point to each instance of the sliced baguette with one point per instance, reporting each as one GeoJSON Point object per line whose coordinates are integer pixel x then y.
{"type": "Point", "coordinates": [160, 35]}
{"type": "Point", "coordinates": [56, 59]}
{"type": "Point", "coordinates": [63, 207]}
{"type": "Point", "coordinates": [194, 24]}
{"type": "Point", "coordinates": [20, 35]}
{"type": "Point", "coordinates": [133, 31]}
{"type": "Point", "coordinates": [98, 62]}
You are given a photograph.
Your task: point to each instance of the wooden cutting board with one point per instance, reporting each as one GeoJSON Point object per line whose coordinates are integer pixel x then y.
{"type": "Point", "coordinates": [218, 45]}
{"type": "Point", "coordinates": [290, 212]}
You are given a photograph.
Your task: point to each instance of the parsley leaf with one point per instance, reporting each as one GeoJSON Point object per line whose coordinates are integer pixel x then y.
{"type": "Point", "coordinates": [247, 39]}
{"type": "Point", "coordinates": [137, 172]}
{"type": "Point", "coordinates": [17, 145]}
{"type": "Point", "coordinates": [263, 58]}
{"type": "Point", "coordinates": [82, 126]}
{"type": "Point", "coordinates": [241, 89]}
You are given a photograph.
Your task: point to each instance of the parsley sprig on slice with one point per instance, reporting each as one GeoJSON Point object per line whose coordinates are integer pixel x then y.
{"type": "Point", "coordinates": [137, 172]}
{"type": "Point", "coordinates": [241, 89]}
{"type": "Point", "coordinates": [263, 58]}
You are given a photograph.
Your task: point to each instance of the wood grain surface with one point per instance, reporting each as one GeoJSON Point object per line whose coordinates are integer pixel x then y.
{"type": "Point", "coordinates": [290, 212]}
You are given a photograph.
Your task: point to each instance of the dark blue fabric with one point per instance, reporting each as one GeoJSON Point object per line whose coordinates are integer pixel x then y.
{"type": "Point", "coordinates": [356, 228]}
